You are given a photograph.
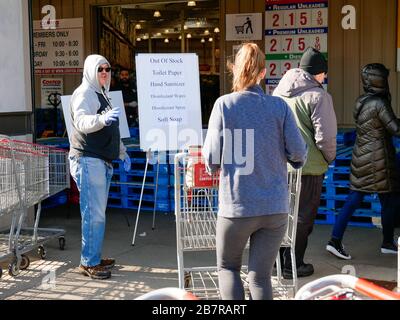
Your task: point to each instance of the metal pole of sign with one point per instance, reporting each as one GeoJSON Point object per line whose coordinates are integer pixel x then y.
{"type": "Point", "coordinates": [148, 157]}
{"type": "Point", "coordinates": [156, 192]}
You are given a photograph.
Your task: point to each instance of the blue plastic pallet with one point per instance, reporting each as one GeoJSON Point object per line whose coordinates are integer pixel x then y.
{"type": "Point", "coordinates": [332, 176]}
{"type": "Point", "coordinates": [129, 191]}
{"type": "Point", "coordinates": [137, 177]}
{"type": "Point", "coordinates": [332, 189]}
{"type": "Point", "coordinates": [359, 219]}
{"type": "Point", "coordinates": [373, 199]}
{"type": "Point", "coordinates": [346, 137]}
{"type": "Point", "coordinates": [59, 199]}
{"type": "Point", "coordinates": [338, 204]}
{"type": "Point", "coordinates": [330, 220]}
{"type": "Point", "coordinates": [140, 166]}
{"type": "Point", "coordinates": [133, 204]}
{"type": "Point", "coordinates": [134, 131]}
{"type": "Point", "coordinates": [396, 142]}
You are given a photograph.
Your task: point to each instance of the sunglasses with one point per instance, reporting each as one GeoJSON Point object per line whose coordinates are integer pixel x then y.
{"type": "Point", "coordinates": [100, 69]}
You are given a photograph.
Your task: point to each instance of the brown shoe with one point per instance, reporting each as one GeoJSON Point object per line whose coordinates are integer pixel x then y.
{"type": "Point", "coordinates": [107, 263]}
{"type": "Point", "coordinates": [97, 272]}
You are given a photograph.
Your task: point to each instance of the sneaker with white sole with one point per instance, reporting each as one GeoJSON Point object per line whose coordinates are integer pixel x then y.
{"type": "Point", "coordinates": [390, 248]}
{"type": "Point", "coordinates": [337, 249]}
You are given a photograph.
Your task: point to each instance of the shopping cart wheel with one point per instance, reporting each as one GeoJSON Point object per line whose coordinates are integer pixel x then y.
{"type": "Point", "coordinates": [61, 243]}
{"type": "Point", "coordinates": [25, 262]}
{"type": "Point", "coordinates": [188, 279]}
{"type": "Point", "coordinates": [42, 252]}
{"type": "Point", "coordinates": [13, 270]}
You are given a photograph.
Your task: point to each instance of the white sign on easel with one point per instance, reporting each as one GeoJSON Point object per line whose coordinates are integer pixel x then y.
{"type": "Point", "coordinates": [117, 101]}
{"type": "Point", "coordinates": [168, 88]}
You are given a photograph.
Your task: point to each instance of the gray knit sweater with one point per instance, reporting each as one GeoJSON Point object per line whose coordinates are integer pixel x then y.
{"type": "Point", "coordinates": [251, 137]}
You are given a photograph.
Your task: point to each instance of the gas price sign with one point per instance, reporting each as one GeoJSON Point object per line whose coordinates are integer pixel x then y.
{"type": "Point", "coordinates": [291, 27]}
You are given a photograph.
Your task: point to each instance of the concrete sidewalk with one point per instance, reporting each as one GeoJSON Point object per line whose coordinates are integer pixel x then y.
{"type": "Point", "coordinates": [152, 263]}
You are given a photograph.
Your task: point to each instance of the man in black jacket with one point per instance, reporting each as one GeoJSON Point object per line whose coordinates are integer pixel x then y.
{"type": "Point", "coordinates": [373, 164]}
{"type": "Point", "coordinates": [129, 94]}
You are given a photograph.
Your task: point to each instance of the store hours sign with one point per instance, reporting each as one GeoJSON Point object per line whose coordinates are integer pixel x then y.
{"type": "Point", "coordinates": [291, 27]}
{"type": "Point", "coordinates": [59, 51]}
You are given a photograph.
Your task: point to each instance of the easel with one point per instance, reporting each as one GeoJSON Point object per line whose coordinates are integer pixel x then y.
{"type": "Point", "coordinates": [148, 158]}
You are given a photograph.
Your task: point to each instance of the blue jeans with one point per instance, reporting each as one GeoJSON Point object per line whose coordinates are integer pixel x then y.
{"type": "Point", "coordinates": [389, 203]}
{"type": "Point", "coordinates": [93, 178]}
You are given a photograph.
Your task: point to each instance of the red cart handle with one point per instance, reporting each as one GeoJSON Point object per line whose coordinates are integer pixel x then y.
{"type": "Point", "coordinates": [372, 290]}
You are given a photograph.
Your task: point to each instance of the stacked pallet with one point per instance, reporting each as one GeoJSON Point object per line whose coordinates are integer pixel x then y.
{"type": "Point", "coordinates": [336, 188]}
{"type": "Point", "coordinates": [125, 189]}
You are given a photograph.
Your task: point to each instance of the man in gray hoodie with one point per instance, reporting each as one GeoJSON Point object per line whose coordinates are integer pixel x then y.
{"type": "Point", "coordinates": [95, 143]}
{"type": "Point", "coordinates": [312, 106]}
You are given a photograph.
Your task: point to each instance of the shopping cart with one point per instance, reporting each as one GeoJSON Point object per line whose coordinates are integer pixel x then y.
{"type": "Point", "coordinates": [344, 287]}
{"type": "Point", "coordinates": [196, 207]}
{"type": "Point", "coordinates": [239, 29]}
{"type": "Point", "coordinates": [29, 173]}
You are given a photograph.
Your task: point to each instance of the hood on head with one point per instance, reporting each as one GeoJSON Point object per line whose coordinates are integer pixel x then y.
{"type": "Point", "coordinates": [294, 82]}
{"type": "Point", "coordinates": [91, 65]}
{"type": "Point", "coordinates": [375, 79]}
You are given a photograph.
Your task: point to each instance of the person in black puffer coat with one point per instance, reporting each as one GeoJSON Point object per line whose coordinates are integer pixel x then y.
{"type": "Point", "coordinates": [373, 164]}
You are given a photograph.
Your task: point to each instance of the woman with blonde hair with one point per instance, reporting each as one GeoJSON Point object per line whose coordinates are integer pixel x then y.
{"type": "Point", "coordinates": [253, 190]}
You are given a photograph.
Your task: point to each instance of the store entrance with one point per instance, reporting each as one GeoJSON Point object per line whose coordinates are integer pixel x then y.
{"type": "Point", "coordinates": [174, 27]}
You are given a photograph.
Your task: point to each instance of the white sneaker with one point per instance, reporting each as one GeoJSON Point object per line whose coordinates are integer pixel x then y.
{"type": "Point", "coordinates": [337, 249]}
{"type": "Point", "coordinates": [389, 248]}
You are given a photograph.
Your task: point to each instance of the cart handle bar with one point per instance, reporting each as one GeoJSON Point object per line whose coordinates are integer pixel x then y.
{"type": "Point", "coordinates": [168, 294]}
{"type": "Point", "coordinates": [346, 281]}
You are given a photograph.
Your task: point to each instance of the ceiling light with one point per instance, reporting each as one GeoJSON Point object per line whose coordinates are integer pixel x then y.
{"type": "Point", "coordinates": [191, 3]}
{"type": "Point", "coordinates": [206, 32]}
{"type": "Point", "coordinates": [216, 30]}
{"type": "Point", "coordinates": [139, 39]}
{"type": "Point", "coordinates": [185, 27]}
{"type": "Point", "coordinates": [166, 40]}
{"type": "Point", "coordinates": [158, 34]}
{"type": "Point", "coordinates": [145, 37]}
{"type": "Point", "coordinates": [166, 31]}
{"type": "Point", "coordinates": [157, 14]}
{"type": "Point", "coordinates": [180, 38]}
{"type": "Point", "coordinates": [188, 36]}
{"type": "Point", "coordinates": [202, 40]}
{"type": "Point", "coordinates": [211, 40]}
{"type": "Point", "coordinates": [138, 26]}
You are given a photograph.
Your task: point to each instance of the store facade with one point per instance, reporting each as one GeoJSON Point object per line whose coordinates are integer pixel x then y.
{"type": "Point", "coordinates": [371, 38]}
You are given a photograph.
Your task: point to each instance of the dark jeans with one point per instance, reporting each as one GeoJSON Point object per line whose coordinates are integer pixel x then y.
{"type": "Point", "coordinates": [390, 203]}
{"type": "Point", "coordinates": [310, 196]}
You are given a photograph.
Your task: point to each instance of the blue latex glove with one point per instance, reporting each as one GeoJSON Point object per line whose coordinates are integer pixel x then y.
{"type": "Point", "coordinates": [127, 164]}
{"type": "Point", "coordinates": [111, 116]}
